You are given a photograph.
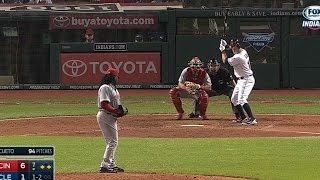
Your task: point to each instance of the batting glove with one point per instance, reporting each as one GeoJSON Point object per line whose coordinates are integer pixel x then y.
{"type": "Point", "coordinates": [222, 48]}
{"type": "Point", "coordinates": [223, 42]}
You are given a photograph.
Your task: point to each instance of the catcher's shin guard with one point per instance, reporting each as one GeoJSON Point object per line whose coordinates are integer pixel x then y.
{"type": "Point", "coordinates": [176, 100]}
{"type": "Point", "coordinates": [203, 103]}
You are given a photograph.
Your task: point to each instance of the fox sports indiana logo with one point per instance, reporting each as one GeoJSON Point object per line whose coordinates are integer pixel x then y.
{"type": "Point", "coordinates": [312, 17]}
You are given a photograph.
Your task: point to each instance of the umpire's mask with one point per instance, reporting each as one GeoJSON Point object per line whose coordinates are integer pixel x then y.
{"type": "Point", "coordinates": [213, 66]}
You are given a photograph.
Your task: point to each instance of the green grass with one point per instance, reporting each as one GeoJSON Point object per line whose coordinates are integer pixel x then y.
{"type": "Point", "coordinates": [259, 158]}
{"type": "Point", "coordinates": [263, 104]}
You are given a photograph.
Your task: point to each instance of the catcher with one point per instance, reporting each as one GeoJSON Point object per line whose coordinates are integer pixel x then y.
{"type": "Point", "coordinates": [222, 84]}
{"type": "Point", "coordinates": [193, 83]}
{"type": "Point", "coordinates": [110, 109]}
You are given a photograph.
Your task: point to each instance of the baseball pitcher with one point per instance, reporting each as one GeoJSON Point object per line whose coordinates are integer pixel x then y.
{"type": "Point", "coordinates": [193, 83]}
{"type": "Point", "coordinates": [110, 109]}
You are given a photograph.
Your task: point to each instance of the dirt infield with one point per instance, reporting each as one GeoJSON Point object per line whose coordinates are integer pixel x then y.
{"type": "Point", "coordinates": [164, 126]}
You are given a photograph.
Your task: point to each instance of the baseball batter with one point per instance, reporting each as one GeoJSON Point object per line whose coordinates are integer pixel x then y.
{"type": "Point", "coordinates": [196, 74]}
{"type": "Point", "coordinates": [108, 102]}
{"type": "Point", "coordinates": [245, 80]}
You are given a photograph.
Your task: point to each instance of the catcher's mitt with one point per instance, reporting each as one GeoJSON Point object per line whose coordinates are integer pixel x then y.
{"type": "Point", "coordinates": [192, 87]}
{"type": "Point", "coordinates": [122, 111]}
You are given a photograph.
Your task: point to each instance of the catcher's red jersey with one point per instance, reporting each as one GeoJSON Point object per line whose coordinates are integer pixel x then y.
{"type": "Point", "coordinates": [198, 77]}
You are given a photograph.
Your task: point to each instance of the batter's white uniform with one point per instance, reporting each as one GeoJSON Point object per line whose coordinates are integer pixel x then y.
{"type": "Point", "coordinates": [244, 74]}
{"type": "Point", "coordinates": [108, 123]}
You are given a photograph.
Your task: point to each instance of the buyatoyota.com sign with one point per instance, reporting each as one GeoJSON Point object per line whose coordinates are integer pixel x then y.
{"type": "Point", "coordinates": [88, 68]}
{"type": "Point", "coordinates": [103, 21]}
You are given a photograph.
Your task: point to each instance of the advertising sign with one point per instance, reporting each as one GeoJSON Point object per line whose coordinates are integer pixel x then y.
{"type": "Point", "coordinates": [103, 21]}
{"type": "Point", "coordinates": [110, 46]}
{"type": "Point", "coordinates": [88, 68]}
{"type": "Point", "coordinates": [311, 16]}
{"type": "Point", "coordinates": [258, 40]}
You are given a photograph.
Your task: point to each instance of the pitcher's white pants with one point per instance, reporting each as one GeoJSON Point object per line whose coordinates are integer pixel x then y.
{"type": "Point", "coordinates": [109, 128]}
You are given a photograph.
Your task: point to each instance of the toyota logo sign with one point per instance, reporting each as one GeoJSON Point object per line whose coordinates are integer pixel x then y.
{"type": "Point", "coordinates": [74, 68]}
{"type": "Point", "coordinates": [61, 21]}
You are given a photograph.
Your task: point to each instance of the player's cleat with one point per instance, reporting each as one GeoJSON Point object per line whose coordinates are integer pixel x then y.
{"type": "Point", "coordinates": [118, 169]}
{"type": "Point", "coordinates": [204, 117]}
{"type": "Point", "coordinates": [193, 115]}
{"type": "Point", "coordinates": [237, 121]}
{"type": "Point", "coordinates": [180, 116]}
{"type": "Point", "coordinates": [107, 170]}
{"type": "Point", "coordinates": [251, 121]}
{"type": "Point", "coordinates": [245, 121]}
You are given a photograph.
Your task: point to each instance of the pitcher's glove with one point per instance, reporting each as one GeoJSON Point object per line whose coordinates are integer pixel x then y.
{"type": "Point", "coordinates": [192, 87]}
{"type": "Point", "coordinates": [122, 111]}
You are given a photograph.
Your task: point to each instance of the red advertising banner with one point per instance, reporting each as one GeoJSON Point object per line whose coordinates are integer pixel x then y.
{"type": "Point", "coordinates": [103, 21]}
{"type": "Point", "coordinates": [88, 68]}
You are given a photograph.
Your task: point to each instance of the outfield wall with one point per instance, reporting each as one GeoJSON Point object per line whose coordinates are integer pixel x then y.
{"type": "Point", "coordinates": [42, 46]}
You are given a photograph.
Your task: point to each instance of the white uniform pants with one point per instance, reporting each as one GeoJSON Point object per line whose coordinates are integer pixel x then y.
{"type": "Point", "coordinates": [242, 90]}
{"type": "Point", "coordinates": [109, 128]}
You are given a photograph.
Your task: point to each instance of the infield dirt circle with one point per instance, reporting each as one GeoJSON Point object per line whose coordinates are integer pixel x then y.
{"type": "Point", "coordinates": [154, 125]}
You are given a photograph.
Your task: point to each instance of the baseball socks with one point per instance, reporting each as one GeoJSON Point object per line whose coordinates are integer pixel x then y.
{"type": "Point", "coordinates": [240, 111]}
{"type": "Point", "coordinates": [247, 108]}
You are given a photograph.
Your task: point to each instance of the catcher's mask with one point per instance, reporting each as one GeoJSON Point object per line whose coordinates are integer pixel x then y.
{"type": "Point", "coordinates": [213, 66]}
{"type": "Point", "coordinates": [195, 63]}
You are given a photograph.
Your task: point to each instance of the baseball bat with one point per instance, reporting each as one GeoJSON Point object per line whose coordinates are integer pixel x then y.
{"type": "Point", "coordinates": [225, 21]}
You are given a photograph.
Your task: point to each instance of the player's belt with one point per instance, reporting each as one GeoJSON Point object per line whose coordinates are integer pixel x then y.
{"type": "Point", "coordinates": [243, 77]}
{"type": "Point", "coordinates": [112, 114]}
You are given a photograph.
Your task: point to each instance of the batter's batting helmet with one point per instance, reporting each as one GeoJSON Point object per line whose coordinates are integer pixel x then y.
{"type": "Point", "coordinates": [235, 42]}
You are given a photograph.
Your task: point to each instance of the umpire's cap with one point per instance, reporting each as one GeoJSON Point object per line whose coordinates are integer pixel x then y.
{"type": "Point", "coordinates": [213, 61]}
{"type": "Point", "coordinates": [234, 42]}
{"type": "Point", "coordinates": [112, 71]}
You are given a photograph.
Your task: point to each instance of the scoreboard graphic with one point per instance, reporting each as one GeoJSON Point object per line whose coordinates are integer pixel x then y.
{"type": "Point", "coordinates": [26, 163]}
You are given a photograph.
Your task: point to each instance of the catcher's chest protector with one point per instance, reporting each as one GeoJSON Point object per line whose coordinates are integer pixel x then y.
{"type": "Point", "coordinates": [196, 78]}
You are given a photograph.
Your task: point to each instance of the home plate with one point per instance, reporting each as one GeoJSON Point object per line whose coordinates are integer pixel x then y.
{"type": "Point", "coordinates": [192, 125]}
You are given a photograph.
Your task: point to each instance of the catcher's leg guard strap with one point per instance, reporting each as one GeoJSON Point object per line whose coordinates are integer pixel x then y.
{"type": "Point", "coordinates": [176, 100]}
{"type": "Point", "coordinates": [203, 103]}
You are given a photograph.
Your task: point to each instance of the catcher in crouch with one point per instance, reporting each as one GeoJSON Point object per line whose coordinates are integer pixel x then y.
{"type": "Point", "coordinates": [222, 84]}
{"type": "Point", "coordinates": [194, 81]}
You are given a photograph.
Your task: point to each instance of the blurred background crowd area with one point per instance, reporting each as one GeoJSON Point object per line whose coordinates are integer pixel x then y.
{"type": "Point", "coordinates": [188, 3]}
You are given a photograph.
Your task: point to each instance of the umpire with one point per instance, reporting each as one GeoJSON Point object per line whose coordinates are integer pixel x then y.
{"type": "Point", "coordinates": [222, 84]}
